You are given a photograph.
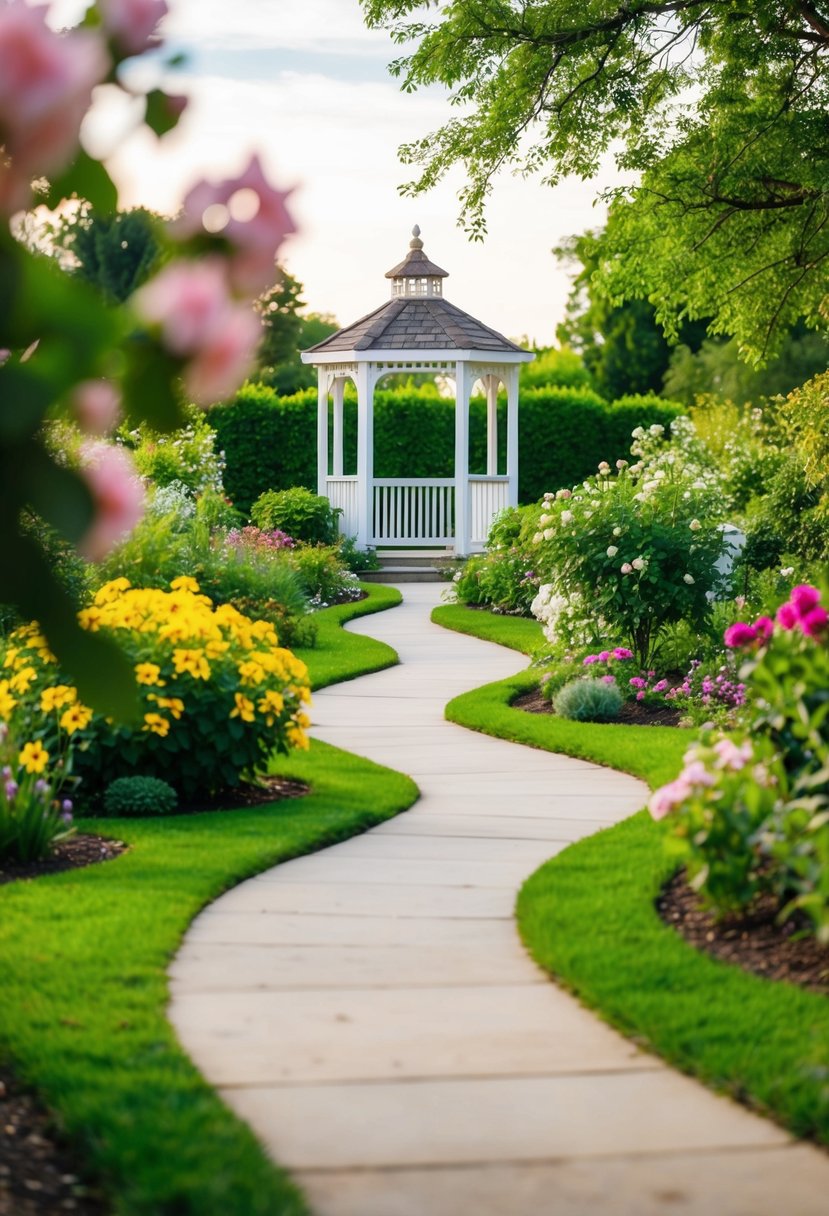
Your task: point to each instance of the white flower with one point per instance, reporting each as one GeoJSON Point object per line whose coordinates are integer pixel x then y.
{"type": "Point", "coordinates": [549, 496]}
{"type": "Point", "coordinates": [786, 571]}
{"type": "Point", "coordinates": [538, 538]}
{"type": "Point", "coordinates": [549, 533]}
{"type": "Point", "coordinates": [604, 467]}
{"type": "Point", "coordinates": [566, 517]}
{"type": "Point", "coordinates": [617, 531]}
{"type": "Point", "coordinates": [621, 464]}
{"type": "Point", "coordinates": [639, 563]}
{"type": "Point", "coordinates": [698, 485]}
{"type": "Point", "coordinates": [639, 433]}
{"type": "Point", "coordinates": [689, 579]}
{"type": "Point", "coordinates": [660, 474]}
{"type": "Point", "coordinates": [544, 520]}
{"type": "Point", "coordinates": [695, 525]}
{"type": "Point", "coordinates": [626, 568]}
{"type": "Point", "coordinates": [612, 550]}
{"type": "Point", "coordinates": [657, 429]}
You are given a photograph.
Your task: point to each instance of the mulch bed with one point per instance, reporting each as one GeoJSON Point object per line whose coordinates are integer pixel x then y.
{"type": "Point", "coordinates": [632, 713]}
{"type": "Point", "coordinates": [79, 850]}
{"type": "Point", "coordinates": [268, 789]}
{"type": "Point", "coordinates": [754, 942]}
{"type": "Point", "coordinates": [38, 1175]}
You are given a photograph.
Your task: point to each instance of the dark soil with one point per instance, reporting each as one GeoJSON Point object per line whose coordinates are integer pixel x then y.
{"type": "Point", "coordinates": [632, 713]}
{"type": "Point", "coordinates": [79, 850]}
{"type": "Point", "coordinates": [268, 789]}
{"type": "Point", "coordinates": [38, 1176]}
{"type": "Point", "coordinates": [754, 941]}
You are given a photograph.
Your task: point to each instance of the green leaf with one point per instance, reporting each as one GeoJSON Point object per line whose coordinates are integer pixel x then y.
{"type": "Point", "coordinates": [88, 179]}
{"type": "Point", "coordinates": [162, 112]}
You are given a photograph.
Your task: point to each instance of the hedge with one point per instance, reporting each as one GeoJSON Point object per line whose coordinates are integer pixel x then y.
{"type": "Point", "coordinates": [270, 442]}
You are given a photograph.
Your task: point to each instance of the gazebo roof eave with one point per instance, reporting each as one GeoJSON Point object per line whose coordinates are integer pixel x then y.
{"type": "Point", "coordinates": [421, 355]}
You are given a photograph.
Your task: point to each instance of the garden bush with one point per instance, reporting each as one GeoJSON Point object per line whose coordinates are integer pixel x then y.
{"type": "Point", "coordinates": [502, 577]}
{"type": "Point", "coordinates": [218, 694]}
{"type": "Point", "coordinates": [323, 575]}
{"type": "Point", "coordinates": [136, 796]}
{"type": "Point", "coordinates": [300, 513]}
{"type": "Point", "coordinates": [588, 700]}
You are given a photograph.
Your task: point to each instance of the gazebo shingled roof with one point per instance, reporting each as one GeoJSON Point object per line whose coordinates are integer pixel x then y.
{"type": "Point", "coordinates": [413, 324]}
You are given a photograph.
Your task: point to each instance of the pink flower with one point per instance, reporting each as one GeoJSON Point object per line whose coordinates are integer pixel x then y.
{"type": "Point", "coordinates": [627, 568]}
{"type": "Point", "coordinates": [804, 597]}
{"type": "Point", "coordinates": [131, 23]}
{"type": "Point", "coordinates": [787, 616]}
{"type": "Point", "coordinates": [118, 496]}
{"type": "Point", "coordinates": [668, 798]}
{"type": "Point", "coordinates": [640, 696]}
{"type": "Point", "coordinates": [591, 658]}
{"type": "Point", "coordinates": [604, 655]}
{"type": "Point", "coordinates": [608, 679]}
{"type": "Point", "coordinates": [637, 682]}
{"type": "Point", "coordinates": [622, 652]}
{"type": "Point", "coordinates": [564, 493]}
{"type": "Point", "coordinates": [46, 82]}
{"type": "Point", "coordinates": [696, 773]}
{"type": "Point", "coordinates": [251, 215]}
{"type": "Point", "coordinates": [731, 756]}
{"type": "Point", "coordinates": [764, 627]}
{"type": "Point", "coordinates": [199, 322]}
{"type": "Point", "coordinates": [739, 635]}
{"type": "Point", "coordinates": [661, 686]}
{"type": "Point", "coordinates": [96, 405]}
{"type": "Point", "coordinates": [814, 622]}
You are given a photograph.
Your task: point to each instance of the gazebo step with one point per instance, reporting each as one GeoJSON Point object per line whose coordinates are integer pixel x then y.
{"type": "Point", "coordinates": [414, 557]}
{"type": "Point", "coordinates": [403, 574]}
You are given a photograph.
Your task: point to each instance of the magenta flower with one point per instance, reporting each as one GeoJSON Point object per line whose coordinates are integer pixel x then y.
{"type": "Point", "coordinates": [668, 798]}
{"type": "Point", "coordinates": [804, 597]}
{"type": "Point", "coordinates": [604, 655]}
{"type": "Point", "coordinates": [814, 622]}
{"type": "Point", "coordinates": [764, 627]}
{"type": "Point", "coordinates": [787, 615]}
{"type": "Point", "coordinates": [622, 652]}
{"type": "Point", "coordinates": [591, 658]}
{"type": "Point", "coordinates": [740, 634]}
{"type": "Point", "coordinates": [608, 679]}
{"type": "Point", "coordinates": [661, 686]}
{"type": "Point", "coordinates": [637, 682]}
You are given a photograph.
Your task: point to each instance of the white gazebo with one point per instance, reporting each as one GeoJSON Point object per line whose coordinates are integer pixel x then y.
{"type": "Point", "coordinates": [417, 331]}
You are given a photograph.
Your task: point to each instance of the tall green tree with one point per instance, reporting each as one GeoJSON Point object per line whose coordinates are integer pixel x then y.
{"type": "Point", "coordinates": [286, 332]}
{"type": "Point", "coordinates": [720, 108]}
{"type": "Point", "coordinates": [116, 252]}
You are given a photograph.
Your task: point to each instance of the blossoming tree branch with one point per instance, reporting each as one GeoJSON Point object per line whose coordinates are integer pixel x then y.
{"type": "Point", "coordinates": [189, 334]}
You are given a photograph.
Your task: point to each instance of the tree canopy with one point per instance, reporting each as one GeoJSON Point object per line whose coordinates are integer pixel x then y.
{"type": "Point", "coordinates": [718, 108]}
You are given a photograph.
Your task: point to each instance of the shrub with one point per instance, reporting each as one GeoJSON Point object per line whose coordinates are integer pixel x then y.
{"type": "Point", "coordinates": [323, 575]}
{"type": "Point", "coordinates": [303, 515]}
{"type": "Point", "coordinates": [556, 368]}
{"type": "Point", "coordinates": [588, 700]}
{"type": "Point", "coordinates": [188, 455]}
{"type": "Point", "coordinates": [139, 796]}
{"type": "Point", "coordinates": [218, 695]}
{"type": "Point", "coordinates": [502, 577]}
{"type": "Point", "coordinates": [635, 548]}
{"type": "Point", "coordinates": [752, 817]}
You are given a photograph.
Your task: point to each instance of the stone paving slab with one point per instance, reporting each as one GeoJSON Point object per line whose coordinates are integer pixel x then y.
{"type": "Point", "coordinates": [371, 1012]}
{"type": "Point", "coordinates": [734, 1183]}
{"type": "Point", "coordinates": [468, 1121]}
{"type": "Point", "coordinates": [359, 1034]}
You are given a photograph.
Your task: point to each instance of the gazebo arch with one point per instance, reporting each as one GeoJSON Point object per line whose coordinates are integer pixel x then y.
{"type": "Point", "coordinates": [417, 331]}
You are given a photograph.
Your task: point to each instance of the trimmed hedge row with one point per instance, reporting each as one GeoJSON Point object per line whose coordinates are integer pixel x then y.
{"type": "Point", "coordinates": [270, 442]}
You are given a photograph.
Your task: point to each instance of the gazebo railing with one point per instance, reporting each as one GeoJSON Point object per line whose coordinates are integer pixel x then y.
{"type": "Point", "coordinates": [488, 496]}
{"type": "Point", "coordinates": [343, 492]}
{"type": "Point", "coordinates": [414, 511]}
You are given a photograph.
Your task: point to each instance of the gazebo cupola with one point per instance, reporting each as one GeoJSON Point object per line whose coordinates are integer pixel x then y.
{"type": "Point", "coordinates": [417, 332]}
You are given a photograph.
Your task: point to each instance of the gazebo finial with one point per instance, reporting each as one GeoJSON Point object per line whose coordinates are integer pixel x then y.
{"type": "Point", "coordinates": [416, 242]}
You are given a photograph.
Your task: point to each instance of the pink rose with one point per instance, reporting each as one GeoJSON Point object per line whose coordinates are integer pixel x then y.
{"type": "Point", "coordinates": [787, 616]}
{"type": "Point", "coordinates": [731, 756]}
{"type": "Point", "coordinates": [200, 323]}
{"type": "Point", "coordinates": [604, 655]}
{"type": "Point", "coordinates": [627, 568]}
{"type": "Point", "coordinates": [118, 495]}
{"type": "Point", "coordinates": [696, 773]}
{"type": "Point", "coordinates": [739, 635]}
{"type": "Point", "coordinates": [131, 24]}
{"type": "Point", "coordinates": [46, 82]}
{"type": "Point", "coordinates": [804, 598]}
{"type": "Point", "coordinates": [814, 622]}
{"type": "Point", "coordinates": [251, 215]}
{"type": "Point", "coordinates": [96, 405]}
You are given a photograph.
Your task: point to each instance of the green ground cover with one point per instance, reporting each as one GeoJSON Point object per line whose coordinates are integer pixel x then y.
{"type": "Point", "coordinates": [588, 917]}
{"type": "Point", "coordinates": [82, 1017]}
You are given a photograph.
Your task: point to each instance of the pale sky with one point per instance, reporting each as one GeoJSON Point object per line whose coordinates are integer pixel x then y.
{"type": "Point", "coordinates": [304, 83]}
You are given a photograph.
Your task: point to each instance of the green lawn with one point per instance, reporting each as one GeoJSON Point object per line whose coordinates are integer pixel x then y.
{"type": "Point", "coordinates": [82, 1015]}
{"type": "Point", "coordinates": [588, 917]}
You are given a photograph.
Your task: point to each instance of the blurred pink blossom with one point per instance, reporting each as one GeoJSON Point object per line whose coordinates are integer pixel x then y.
{"type": "Point", "coordinates": [46, 82]}
{"type": "Point", "coordinates": [731, 756]}
{"type": "Point", "coordinates": [814, 622]}
{"type": "Point", "coordinates": [804, 598]}
{"type": "Point", "coordinates": [200, 323]}
{"type": "Point", "coordinates": [132, 23]}
{"type": "Point", "coordinates": [668, 798]}
{"type": "Point", "coordinates": [251, 215]}
{"type": "Point", "coordinates": [96, 405]}
{"type": "Point", "coordinates": [118, 495]}
{"type": "Point", "coordinates": [787, 615]}
{"type": "Point", "coordinates": [739, 634]}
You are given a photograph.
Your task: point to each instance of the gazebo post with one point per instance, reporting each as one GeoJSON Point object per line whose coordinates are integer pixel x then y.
{"type": "Point", "coordinates": [338, 388]}
{"type": "Point", "coordinates": [512, 433]}
{"type": "Point", "coordinates": [492, 383]}
{"type": "Point", "coordinates": [463, 389]}
{"type": "Point", "coordinates": [322, 430]}
{"type": "Point", "coordinates": [365, 455]}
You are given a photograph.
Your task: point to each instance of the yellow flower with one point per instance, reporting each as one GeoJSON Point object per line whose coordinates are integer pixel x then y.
{"type": "Point", "coordinates": [184, 583]}
{"type": "Point", "coordinates": [251, 672]}
{"type": "Point", "coordinates": [244, 708]}
{"type": "Point", "coordinates": [157, 724]}
{"type": "Point", "coordinates": [148, 673]}
{"type": "Point", "coordinates": [76, 717]}
{"type": "Point", "coordinates": [302, 719]}
{"type": "Point", "coordinates": [57, 697]}
{"type": "Point", "coordinates": [192, 662]}
{"type": "Point", "coordinates": [174, 704]}
{"type": "Point", "coordinates": [21, 680]}
{"type": "Point", "coordinates": [112, 590]}
{"type": "Point", "coordinates": [34, 757]}
{"type": "Point", "coordinates": [304, 694]}
{"type": "Point", "coordinates": [216, 648]}
{"type": "Point", "coordinates": [90, 618]}
{"type": "Point", "coordinates": [11, 655]}
{"type": "Point", "coordinates": [271, 702]}
{"type": "Point", "coordinates": [7, 701]}
{"type": "Point", "coordinates": [298, 738]}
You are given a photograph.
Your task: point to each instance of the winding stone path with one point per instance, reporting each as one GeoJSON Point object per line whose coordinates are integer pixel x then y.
{"type": "Point", "coordinates": [372, 1014]}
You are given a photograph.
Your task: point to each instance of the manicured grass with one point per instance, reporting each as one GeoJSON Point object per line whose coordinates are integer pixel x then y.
{"type": "Point", "coordinates": [588, 916]}
{"type": "Point", "coordinates": [517, 632]}
{"type": "Point", "coordinates": [82, 1015]}
{"type": "Point", "coordinates": [330, 661]}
